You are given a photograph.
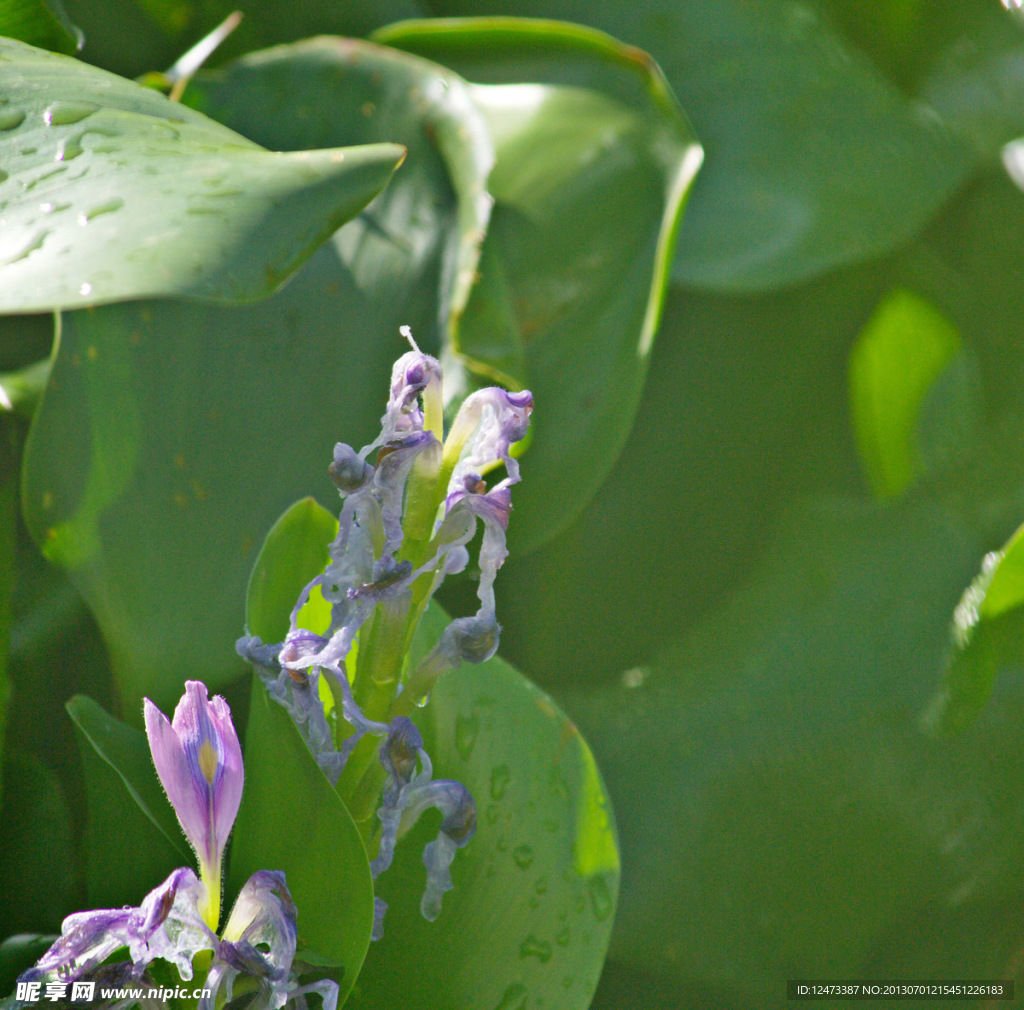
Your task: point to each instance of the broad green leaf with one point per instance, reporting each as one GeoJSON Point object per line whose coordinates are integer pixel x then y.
{"type": "Point", "coordinates": [528, 921]}
{"type": "Point", "coordinates": [986, 637]}
{"type": "Point", "coordinates": [902, 351]}
{"type": "Point", "coordinates": [42, 23]}
{"type": "Point", "coordinates": [132, 840]}
{"type": "Point", "coordinates": [1005, 589]}
{"type": "Point", "coordinates": [387, 94]}
{"type": "Point", "coordinates": [134, 37]}
{"type": "Point", "coordinates": [173, 435]}
{"type": "Point", "coordinates": [111, 191]}
{"type": "Point", "coordinates": [815, 160]}
{"type": "Point", "coordinates": [291, 819]}
{"type": "Point", "coordinates": [295, 550]}
{"type": "Point", "coordinates": [594, 162]}
{"type": "Point", "coordinates": [37, 864]}
{"type": "Point", "coordinates": [768, 772]}
{"type": "Point", "coordinates": [126, 750]}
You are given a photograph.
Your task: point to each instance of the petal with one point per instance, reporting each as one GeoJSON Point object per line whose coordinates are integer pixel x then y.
{"type": "Point", "coordinates": [172, 768]}
{"type": "Point", "coordinates": [167, 924]}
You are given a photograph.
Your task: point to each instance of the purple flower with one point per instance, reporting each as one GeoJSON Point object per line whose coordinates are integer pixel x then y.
{"type": "Point", "coordinates": [259, 942]}
{"type": "Point", "coordinates": [167, 924]}
{"type": "Point", "coordinates": [199, 762]}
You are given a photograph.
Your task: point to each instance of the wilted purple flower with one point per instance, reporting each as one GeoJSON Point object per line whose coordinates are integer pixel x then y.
{"type": "Point", "coordinates": [412, 501]}
{"type": "Point", "coordinates": [167, 924]}
{"type": "Point", "coordinates": [259, 941]}
{"type": "Point", "coordinates": [199, 762]}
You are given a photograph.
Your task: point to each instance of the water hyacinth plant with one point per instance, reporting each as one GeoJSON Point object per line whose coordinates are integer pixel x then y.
{"type": "Point", "coordinates": [405, 524]}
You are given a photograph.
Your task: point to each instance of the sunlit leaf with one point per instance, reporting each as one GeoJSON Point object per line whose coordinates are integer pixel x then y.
{"type": "Point", "coordinates": [111, 191]}
{"type": "Point", "coordinates": [528, 921]}
{"type": "Point", "coordinates": [899, 355]}
{"type": "Point", "coordinates": [295, 550]}
{"type": "Point", "coordinates": [986, 638]}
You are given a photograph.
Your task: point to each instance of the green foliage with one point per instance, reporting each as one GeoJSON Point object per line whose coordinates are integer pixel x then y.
{"type": "Point", "coordinates": [295, 550]}
{"type": "Point", "coordinates": [291, 819]}
{"type": "Point", "coordinates": [897, 358]}
{"type": "Point", "coordinates": [815, 159]}
{"type": "Point", "coordinates": [42, 23]}
{"type": "Point", "coordinates": [182, 221]}
{"type": "Point", "coordinates": [535, 891]}
{"type": "Point", "coordinates": [761, 474]}
{"type": "Point", "coordinates": [594, 161]}
{"type": "Point", "coordinates": [986, 637]}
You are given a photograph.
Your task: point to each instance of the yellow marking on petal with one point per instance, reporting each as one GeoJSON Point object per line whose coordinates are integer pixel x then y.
{"type": "Point", "coordinates": [208, 761]}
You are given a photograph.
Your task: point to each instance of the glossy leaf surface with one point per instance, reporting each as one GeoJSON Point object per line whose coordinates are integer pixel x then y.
{"type": "Point", "coordinates": [814, 159]}
{"type": "Point", "coordinates": [110, 191]}
{"type": "Point", "coordinates": [528, 922]}
{"type": "Point", "coordinates": [295, 550]}
{"type": "Point", "coordinates": [986, 638]}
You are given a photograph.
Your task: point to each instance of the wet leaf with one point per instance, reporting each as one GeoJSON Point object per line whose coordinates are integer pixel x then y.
{"type": "Point", "coordinates": [111, 191]}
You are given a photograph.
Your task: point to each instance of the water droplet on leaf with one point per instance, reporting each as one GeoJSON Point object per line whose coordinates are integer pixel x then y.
{"type": "Point", "coordinates": [500, 778]}
{"type": "Point", "coordinates": [466, 729]}
{"type": "Point", "coordinates": [513, 998]}
{"type": "Point", "coordinates": [65, 113]}
{"type": "Point", "coordinates": [523, 855]}
{"type": "Point", "coordinates": [532, 947]}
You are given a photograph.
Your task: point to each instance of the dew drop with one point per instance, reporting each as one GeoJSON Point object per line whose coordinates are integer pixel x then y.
{"type": "Point", "coordinates": [11, 120]}
{"type": "Point", "coordinates": [69, 149]}
{"type": "Point", "coordinates": [466, 729]}
{"type": "Point", "coordinates": [600, 898]}
{"type": "Point", "coordinates": [532, 947]}
{"type": "Point", "coordinates": [541, 887]}
{"type": "Point", "coordinates": [562, 936]}
{"type": "Point", "coordinates": [513, 998]}
{"type": "Point", "coordinates": [103, 208]}
{"type": "Point", "coordinates": [523, 855]}
{"type": "Point", "coordinates": [492, 814]}
{"type": "Point", "coordinates": [500, 778]}
{"type": "Point", "coordinates": [34, 243]}
{"type": "Point", "coordinates": [66, 113]}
